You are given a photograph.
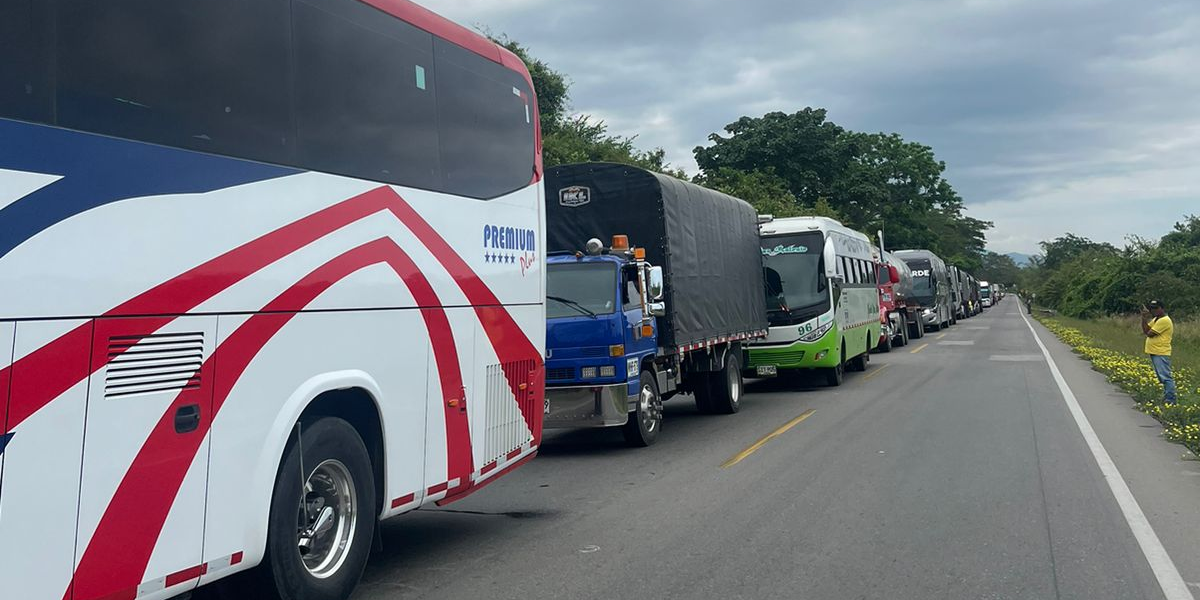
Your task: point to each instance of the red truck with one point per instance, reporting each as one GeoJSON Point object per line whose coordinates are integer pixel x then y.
{"type": "Point", "coordinates": [900, 321]}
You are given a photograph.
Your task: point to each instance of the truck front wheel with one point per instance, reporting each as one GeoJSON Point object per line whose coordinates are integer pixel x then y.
{"type": "Point", "coordinates": [645, 421]}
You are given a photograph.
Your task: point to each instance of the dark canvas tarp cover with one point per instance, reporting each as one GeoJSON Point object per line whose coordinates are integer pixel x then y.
{"type": "Point", "coordinates": [706, 242]}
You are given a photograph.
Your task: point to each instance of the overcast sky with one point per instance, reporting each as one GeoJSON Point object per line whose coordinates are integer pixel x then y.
{"type": "Point", "coordinates": [1051, 115]}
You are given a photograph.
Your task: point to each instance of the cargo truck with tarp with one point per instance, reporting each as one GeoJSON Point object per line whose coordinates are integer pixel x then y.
{"type": "Point", "coordinates": [652, 286]}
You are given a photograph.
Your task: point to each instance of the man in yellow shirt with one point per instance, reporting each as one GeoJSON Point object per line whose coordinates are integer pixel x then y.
{"type": "Point", "coordinates": [1157, 327]}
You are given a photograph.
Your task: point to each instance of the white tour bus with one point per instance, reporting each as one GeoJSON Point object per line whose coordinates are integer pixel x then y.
{"type": "Point", "coordinates": [270, 270]}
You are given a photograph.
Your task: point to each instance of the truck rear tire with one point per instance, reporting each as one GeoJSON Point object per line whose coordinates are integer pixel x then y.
{"type": "Point", "coordinates": [725, 395]}
{"type": "Point", "coordinates": [885, 346]}
{"type": "Point", "coordinates": [645, 421]}
{"type": "Point", "coordinates": [916, 329]}
{"type": "Point", "coordinates": [320, 528]}
{"type": "Point", "coordinates": [902, 338]}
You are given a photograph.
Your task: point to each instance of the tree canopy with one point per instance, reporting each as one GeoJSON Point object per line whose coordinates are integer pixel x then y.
{"type": "Point", "coordinates": [872, 180]}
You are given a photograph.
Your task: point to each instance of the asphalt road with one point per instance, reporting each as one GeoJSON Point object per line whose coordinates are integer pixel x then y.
{"type": "Point", "coordinates": [953, 472]}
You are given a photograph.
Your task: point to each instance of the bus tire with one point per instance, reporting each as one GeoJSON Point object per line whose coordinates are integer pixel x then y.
{"type": "Point", "coordinates": [645, 421]}
{"type": "Point", "coordinates": [726, 386]}
{"type": "Point", "coordinates": [834, 376]}
{"type": "Point", "coordinates": [858, 364]}
{"type": "Point", "coordinates": [325, 561]}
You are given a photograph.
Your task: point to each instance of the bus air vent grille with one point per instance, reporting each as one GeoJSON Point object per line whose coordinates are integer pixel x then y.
{"type": "Point", "coordinates": [148, 364]}
{"type": "Point", "coordinates": [509, 394]}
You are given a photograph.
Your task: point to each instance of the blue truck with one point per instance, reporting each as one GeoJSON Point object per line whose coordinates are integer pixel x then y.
{"type": "Point", "coordinates": [652, 286]}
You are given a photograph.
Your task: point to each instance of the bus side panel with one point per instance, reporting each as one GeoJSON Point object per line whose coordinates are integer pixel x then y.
{"type": "Point", "coordinates": [40, 497]}
{"type": "Point", "coordinates": [383, 354]}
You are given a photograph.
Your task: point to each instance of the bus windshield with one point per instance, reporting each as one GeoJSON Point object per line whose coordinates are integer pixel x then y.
{"type": "Point", "coordinates": [580, 289]}
{"type": "Point", "coordinates": [923, 282]}
{"type": "Point", "coordinates": [794, 276]}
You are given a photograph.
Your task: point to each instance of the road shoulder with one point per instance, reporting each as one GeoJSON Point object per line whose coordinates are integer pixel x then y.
{"type": "Point", "coordinates": [1164, 477]}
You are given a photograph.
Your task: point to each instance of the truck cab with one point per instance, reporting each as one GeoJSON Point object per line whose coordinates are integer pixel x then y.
{"type": "Point", "coordinates": [600, 332]}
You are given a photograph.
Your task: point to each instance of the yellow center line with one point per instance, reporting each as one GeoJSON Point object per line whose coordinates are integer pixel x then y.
{"type": "Point", "coordinates": [876, 372]}
{"type": "Point", "coordinates": [740, 456]}
{"type": "Point", "coordinates": [941, 336]}
{"type": "Point", "coordinates": [919, 348]}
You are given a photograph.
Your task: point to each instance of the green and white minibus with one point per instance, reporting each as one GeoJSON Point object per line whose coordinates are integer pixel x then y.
{"type": "Point", "coordinates": [822, 299]}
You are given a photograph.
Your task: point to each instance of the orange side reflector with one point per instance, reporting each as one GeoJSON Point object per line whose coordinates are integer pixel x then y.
{"type": "Point", "coordinates": [647, 331]}
{"type": "Point", "coordinates": [620, 242]}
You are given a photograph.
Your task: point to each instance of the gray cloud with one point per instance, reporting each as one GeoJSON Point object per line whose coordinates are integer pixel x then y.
{"type": "Point", "coordinates": [1075, 115]}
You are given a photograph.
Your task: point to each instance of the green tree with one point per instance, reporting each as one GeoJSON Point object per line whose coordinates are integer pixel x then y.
{"type": "Point", "coordinates": [803, 149]}
{"type": "Point", "coordinates": [998, 268]}
{"type": "Point", "coordinates": [764, 190]}
{"type": "Point", "coordinates": [872, 181]}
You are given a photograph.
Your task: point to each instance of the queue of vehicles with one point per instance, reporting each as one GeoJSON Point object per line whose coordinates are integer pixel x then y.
{"type": "Point", "coordinates": [237, 339]}
{"type": "Point", "coordinates": [657, 286]}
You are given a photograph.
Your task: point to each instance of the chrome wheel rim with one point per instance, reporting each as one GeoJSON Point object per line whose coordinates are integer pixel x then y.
{"type": "Point", "coordinates": [327, 517]}
{"type": "Point", "coordinates": [651, 409]}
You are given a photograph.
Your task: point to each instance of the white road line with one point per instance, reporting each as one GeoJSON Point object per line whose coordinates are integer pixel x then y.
{"type": "Point", "coordinates": [1169, 579]}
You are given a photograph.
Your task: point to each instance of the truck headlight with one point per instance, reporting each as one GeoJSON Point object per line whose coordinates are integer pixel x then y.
{"type": "Point", "coordinates": [608, 371]}
{"type": "Point", "coordinates": [587, 373]}
{"type": "Point", "coordinates": [817, 333]}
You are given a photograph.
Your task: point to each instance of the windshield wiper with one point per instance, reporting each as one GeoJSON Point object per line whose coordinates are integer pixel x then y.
{"type": "Point", "coordinates": [573, 304]}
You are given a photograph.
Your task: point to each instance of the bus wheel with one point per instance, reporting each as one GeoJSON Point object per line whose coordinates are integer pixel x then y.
{"type": "Point", "coordinates": [645, 422]}
{"type": "Point", "coordinates": [726, 386]}
{"type": "Point", "coordinates": [322, 517]}
{"type": "Point", "coordinates": [835, 375]}
{"type": "Point", "coordinates": [858, 364]}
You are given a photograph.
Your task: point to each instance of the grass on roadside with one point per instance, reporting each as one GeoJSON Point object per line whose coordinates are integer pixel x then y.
{"type": "Point", "coordinates": [1114, 347]}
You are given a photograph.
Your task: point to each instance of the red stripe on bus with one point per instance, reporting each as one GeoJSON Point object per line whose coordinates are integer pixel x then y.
{"type": "Point", "coordinates": [441, 487]}
{"type": "Point", "coordinates": [236, 558]}
{"type": "Point", "coordinates": [179, 577]}
{"type": "Point", "coordinates": [402, 500]}
{"type": "Point", "coordinates": [135, 515]}
{"type": "Point", "coordinates": [43, 377]}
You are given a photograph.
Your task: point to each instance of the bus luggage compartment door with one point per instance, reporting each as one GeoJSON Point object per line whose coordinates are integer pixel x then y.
{"type": "Point", "coordinates": [145, 465]}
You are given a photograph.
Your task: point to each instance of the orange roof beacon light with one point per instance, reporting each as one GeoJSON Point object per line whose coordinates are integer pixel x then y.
{"type": "Point", "coordinates": [620, 242]}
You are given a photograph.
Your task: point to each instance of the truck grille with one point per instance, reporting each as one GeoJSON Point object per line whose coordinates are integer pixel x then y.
{"type": "Point", "coordinates": [560, 374]}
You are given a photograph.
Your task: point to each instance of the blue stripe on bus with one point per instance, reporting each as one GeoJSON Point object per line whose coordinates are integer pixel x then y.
{"type": "Point", "coordinates": [98, 170]}
{"type": "Point", "coordinates": [4, 440]}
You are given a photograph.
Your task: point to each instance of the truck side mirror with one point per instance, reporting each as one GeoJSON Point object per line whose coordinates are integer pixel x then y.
{"type": "Point", "coordinates": [829, 257]}
{"type": "Point", "coordinates": [893, 274]}
{"type": "Point", "coordinates": [658, 309]}
{"type": "Point", "coordinates": [656, 289]}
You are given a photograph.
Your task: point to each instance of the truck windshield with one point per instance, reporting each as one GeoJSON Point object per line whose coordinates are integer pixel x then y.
{"type": "Point", "coordinates": [794, 276]}
{"type": "Point", "coordinates": [577, 289]}
{"type": "Point", "coordinates": [985, 293]}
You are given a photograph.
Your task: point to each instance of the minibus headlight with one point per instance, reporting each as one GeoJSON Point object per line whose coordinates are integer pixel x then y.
{"type": "Point", "coordinates": [817, 333]}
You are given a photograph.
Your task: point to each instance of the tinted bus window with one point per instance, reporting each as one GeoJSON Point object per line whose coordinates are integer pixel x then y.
{"type": "Point", "coordinates": [208, 76]}
{"type": "Point", "coordinates": [485, 118]}
{"type": "Point", "coordinates": [26, 56]}
{"type": "Point", "coordinates": [365, 94]}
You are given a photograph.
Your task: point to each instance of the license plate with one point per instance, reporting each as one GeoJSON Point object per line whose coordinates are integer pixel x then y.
{"type": "Point", "coordinates": [767, 371]}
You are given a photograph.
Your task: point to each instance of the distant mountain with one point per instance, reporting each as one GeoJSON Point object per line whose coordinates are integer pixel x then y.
{"type": "Point", "coordinates": [1022, 260]}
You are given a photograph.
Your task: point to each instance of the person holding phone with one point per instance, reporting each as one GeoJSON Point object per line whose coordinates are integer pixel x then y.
{"type": "Point", "coordinates": [1158, 328]}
